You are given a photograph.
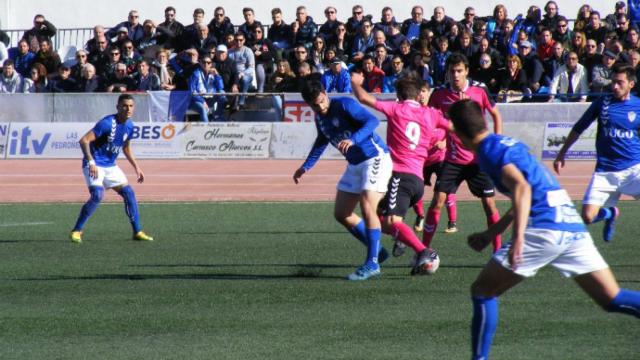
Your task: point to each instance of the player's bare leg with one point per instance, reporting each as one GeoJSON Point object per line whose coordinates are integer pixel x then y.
{"type": "Point", "coordinates": [603, 288]}
{"type": "Point", "coordinates": [592, 213]}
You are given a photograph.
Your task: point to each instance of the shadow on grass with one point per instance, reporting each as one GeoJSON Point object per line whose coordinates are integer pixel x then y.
{"type": "Point", "coordinates": [262, 232]}
{"type": "Point", "coordinates": [189, 276]}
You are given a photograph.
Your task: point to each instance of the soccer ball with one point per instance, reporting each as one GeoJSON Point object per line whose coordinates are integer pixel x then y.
{"type": "Point", "coordinates": [427, 266]}
{"type": "Point", "coordinates": [432, 266]}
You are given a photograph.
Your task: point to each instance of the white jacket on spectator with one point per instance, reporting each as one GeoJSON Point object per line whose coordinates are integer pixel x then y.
{"type": "Point", "coordinates": [11, 85]}
{"type": "Point", "coordinates": [560, 82]}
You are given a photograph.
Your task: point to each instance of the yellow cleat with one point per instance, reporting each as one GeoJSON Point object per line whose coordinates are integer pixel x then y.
{"type": "Point", "coordinates": [141, 236]}
{"type": "Point", "coordinates": [76, 237]}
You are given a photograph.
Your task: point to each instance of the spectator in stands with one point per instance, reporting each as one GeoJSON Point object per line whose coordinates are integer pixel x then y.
{"type": "Point", "coordinates": [22, 57]}
{"type": "Point", "coordinates": [42, 30]}
{"type": "Point", "coordinates": [329, 56]}
{"type": "Point", "coordinates": [583, 18]}
{"type": "Point", "coordinates": [512, 80]}
{"type": "Point", "coordinates": [92, 44]}
{"type": "Point", "coordinates": [62, 82]}
{"type": "Point", "coordinates": [316, 54]}
{"type": "Point", "coordinates": [37, 81]}
{"type": "Point", "coordinates": [387, 21]}
{"type": "Point", "coordinates": [162, 69]}
{"type": "Point", "coordinates": [503, 41]}
{"type": "Point", "coordinates": [419, 66]}
{"type": "Point", "coordinates": [397, 72]}
{"type": "Point", "coordinates": [373, 75]}
{"type": "Point", "coordinates": [100, 56]}
{"type": "Point", "coordinates": [47, 57]}
{"type": "Point", "coordinates": [632, 40]}
{"type": "Point", "coordinates": [553, 63]}
{"type": "Point", "coordinates": [81, 60]}
{"type": "Point", "coordinates": [89, 82]}
{"type": "Point", "coordinates": [171, 27]}
{"type": "Point", "coordinates": [562, 34]}
{"type": "Point", "coordinates": [283, 79]}
{"type": "Point", "coordinates": [362, 42]}
{"type": "Point", "coordinates": [120, 81]}
{"type": "Point", "coordinates": [425, 43]}
{"type": "Point", "coordinates": [382, 59]}
{"type": "Point", "coordinates": [551, 16]}
{"type": "Point", "coordinates": [214, 85]}
{"type": "Point", "coordinates": [306, 28]}
{"type": "Point", "coordinates": [411, 27]}
{"type": "Point", "coordinates": [595, 30]}
{"type": "Point", "coordinates": [10, 80]}
{"type": "Point", "coordinates": [570, 81]}
{"type": "Point", "coordinates": [464, 45]}
{"type": "Point", "coordinates": [244, 60]}
{"type": "Point", "coordinates": [579, 43]}
{"type": "Point", "coordinates": [354, 23]}
{"type": "Point", "coordinates": [153, 38]}
{"type": "Point", "coordinates": [612, 19]}
{"type": "Point", "coordinates": [590, 58]}
{"type": "Point", "coordinates": [304, 76]}
{"type": "Point", "coordinates": [196, 83]}
{"type": "Point", "coordinates": [226, 68]}
{"type": "Point", "coordinates": [329, 27]}
{"type": "Point", "coordinates": [203, 41]}
{"type": "Point", "coordinates": [249, 25]}
{"type": "Point", "coordinates": [133, 26]}
{"type": "Point", "coordinates": [144, 79]}
{"type": "Point", "coordinates": [485, 48]}
{"type": "Point", "coordinates": [379, 38]}
{"type": "Point", "coordinates": [220, 25]}
{"type": "Point", "coordinates": [265, 56]}
{"type": "Point", "coordinates": [440, 23]}
{"type": "Point", "coordinates": [601, 78]}
{"type": "Point", "coordinates": [395, 38]}
{"type": "Point", "coordinates": [122, 35]}
{"type": "Point", "coordinates": [129, 57]}
{"type": "Point", "coordinates": [439, 61]}
{"type": "Point", "coordinates": [622, 26]}
{"type": "Point", "coordinates": [336, 79]}
{"type": "Point", "coordinates": [487, 74]}
{"type": "Point", "coordinates": [280, 33]}
{"type": "Point", "coordinates": [298, 57]}
{"type": "Point", "coordinates": [532, 22]}
{"type": "Point", "coordinates": [469, 19]}
{"type": "Point", "coordinates": [545, 44]}
{"type": "Point", "coordinates": [405, 52]}
{"type": "Point", "coordinates": [341, 43]}
{"type": "Point", "coordinates": [190, 32]}
{"type": "Point", "coordinates": [531, 65]}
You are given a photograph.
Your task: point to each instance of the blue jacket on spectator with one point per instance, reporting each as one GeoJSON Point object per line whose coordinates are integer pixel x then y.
{"type": "Point", "coordinates": [197, 85]}
{"type": "Point", "coordinates": [337, 83]}
{"type": "Point", "coordinates": [634, 11]}
{"type": "Point", "coordinates": [361, 45]}
{"type": "Point", "coordinates": [306, 33]}
{"type": "Point", "coordinates": [135, 33]}
{"type": "Point", "coordinates": [220, 30]}
{"type": "Point", "coordinates": [22, 63]}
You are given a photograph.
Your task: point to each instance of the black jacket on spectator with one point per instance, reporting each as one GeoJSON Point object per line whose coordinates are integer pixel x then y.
{"type": "Point", "coordinates": [267, 55]}
{"type": "Point", "coordinates": [50, 60]}
{"type": "Point", "coordinates": [202, 45]}
{"type": "Point", "coordinates": [247, 30]}
{"type": "Point", "coordinates": [301, 81]}
{"type": "Point", "coordinates": [134, 32]}
{"type": "Point", "coordinates": [161, 37]}
{"type": "Point", "coordinates": [220, 30]}
{"type": "Point", "coordinates": [506, 82]}
{"type": "Point", "coordinates": [189, 35]}
{"type": "Point", "coordinates": [58, 85]}
{"type": "Point", "coordinates": [589, 62]}
{"type": "Point", "coordinates": [534, 71]}
{"type": "Point", "coordinates": [385, 26]}
{"type": "Point", "coordinates": [280, 33]}
{"type": "Point", "coordinates": [328, 29]}
{"type": "Point", "coordinates": [175, 30]}
{"type": "Point", "coordinates": [227, 70]}
{"type": "Point", "coordinates": [440, 28]}
{"type": "Point", "coordinates": [353, 26]}
{"type": "Point", "coordinates": [4, 38]}
{"type": "Point", "coordinates": [46, 32]}
{"type": "Point", "coordinates": [126, 81]}
{"type": "Point", "coordinates": [597, 35]}
{"type": "Point", "coordinates": [550, 66]}
{"type": "Point", "coordinates": [92, 85]}
{"type": "Point", "coordinates": [99, 59]}
{"type": "Point", "coordinates": [496, 58]}
{"type": "Point", "coordinates": [404, 29]}
{"type": "Point", "coordinates": [489, 77]}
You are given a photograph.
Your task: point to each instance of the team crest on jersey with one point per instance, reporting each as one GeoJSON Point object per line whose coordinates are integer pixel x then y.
{"type": "Point", "coordinates": [631, 115]}
{"type": "Point", "coordinates": [335, 122]}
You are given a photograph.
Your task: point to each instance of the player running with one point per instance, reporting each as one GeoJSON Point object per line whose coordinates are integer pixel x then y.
{"type": "Point", "coordinates": [101, 146]}
{"type": "Point", "coordinates": [350, 128]}
{"type": "Point", "coordinates": [546, 229]}
{"type": "Point", "coordinates": [460, 164]}
{"type": "Point", "coordinates": [410, 127]}
{"type": "Point", "coordinates": [617, 150]}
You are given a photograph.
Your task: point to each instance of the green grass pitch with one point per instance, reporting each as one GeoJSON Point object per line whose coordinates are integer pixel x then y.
{"type": "Point", "coordinates": [265, 281]}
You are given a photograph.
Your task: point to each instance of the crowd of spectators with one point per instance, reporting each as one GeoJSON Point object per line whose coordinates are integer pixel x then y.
{"type": "Point", "coordinates": [537, 56]}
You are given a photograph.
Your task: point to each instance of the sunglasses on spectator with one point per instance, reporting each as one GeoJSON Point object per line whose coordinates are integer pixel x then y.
{"type": "Point", "coordinates": [357, 12]}
{"type": "Point", "coordinates": [330, 12]}
{"type": "Point", "coordinates": [114, 54]}
{"type": "Point", "coordinates": [342, 29]}
{"type": "Point", "coordinates": [208, 62]}
{"type": "Point", "coordinates": [470, 14]}
{"type": "Point", "coordinates": [300, 52]}
{"type": "Point", "coordinates": [102, 42]}
{"type": "Point", "coordinates": [258, 31]}
{"type": "Point", "coordinates": [240, 40]}
{"type": "Point", "coordinates": [397, 62]}
{"type": "Point", "coordinates": [129, 47]}
{"type": "Point", "coordinates": [219, 14]}
{"type": "Point", "coordinates": [81, 56]}
{"type": "Point", "coordinates": [562, 25]}
{"type": "Point", "coordinates": [133, 16]}
{"type": "Point", "coordinates": [590, 46]}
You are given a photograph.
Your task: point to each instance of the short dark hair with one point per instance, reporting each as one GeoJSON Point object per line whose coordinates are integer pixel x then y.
{"type": "Point", "coordinates": [169, 8]}
{"type": "Point", "coordinates": [407, 89]}
{"type": "Point", "coordinates": [457, 58]}
{"type": "Point", "coordinates": [124, 97]}
{"type": "Point", "coordinates": [244, 10]}
{"type": "Point", "coordinates": [198, 11]}
{"type": "Point", "coordinates": [311, 90]}
{"type": "Point", "coordinates": [620, 69]}
{"type": "Point", "coordinates": [467, 118]}
{"type": "Point", "coordinates": [8, 62]}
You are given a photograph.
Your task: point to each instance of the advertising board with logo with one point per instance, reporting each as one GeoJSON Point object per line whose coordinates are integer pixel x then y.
{"type": "Point", "coordinates": [158, 140]}
{"type": "Point", "coordinates": [227, 140]}
{"type": "Point", "coordinates": [4, 134]}
{"type": "Point", "coordinates": [45, 140]}
{"type": "Point", "coordinates": [555, 135]}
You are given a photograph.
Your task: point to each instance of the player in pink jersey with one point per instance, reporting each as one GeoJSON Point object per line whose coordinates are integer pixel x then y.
{"type": "Point", "coordinates": [433, 165]}
{"type": "Point", "coordinates": [409, 137]}
{"type": "Point", "coordinates": [460, 164]}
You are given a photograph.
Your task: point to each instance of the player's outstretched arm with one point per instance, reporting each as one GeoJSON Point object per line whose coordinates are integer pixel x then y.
{"type": "Point", "coordinates": [126, 149]}
{"type": "Point", "coordinates": [520, 191]}
{"type": "Point", "coordinates": [497, 120]}
{"type": "Point", "coordinates": [558, 163]}
{"type": "Point", "coordinates": [85, 145]}
{"type": "Point", "coordinates": [357, 79]}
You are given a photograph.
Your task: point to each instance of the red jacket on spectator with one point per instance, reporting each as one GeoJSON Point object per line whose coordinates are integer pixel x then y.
{"type": "Point", "coordinates": [373, 80]}
{"type": "Point", "coordinates": [545, 51]}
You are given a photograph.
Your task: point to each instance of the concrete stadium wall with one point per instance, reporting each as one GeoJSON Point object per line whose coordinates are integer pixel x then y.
{"type": "Point", "coordinates": [18, 14]}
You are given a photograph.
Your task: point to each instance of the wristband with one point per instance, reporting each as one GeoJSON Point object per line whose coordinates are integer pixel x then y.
{"type": "Point", "coordinates": [91, 162]}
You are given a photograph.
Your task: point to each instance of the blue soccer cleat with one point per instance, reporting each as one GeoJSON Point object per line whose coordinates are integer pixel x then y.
{"type": "Point", "coordinates": [609, 225]}
{"type": "Point", "coordinates": [365, 272]}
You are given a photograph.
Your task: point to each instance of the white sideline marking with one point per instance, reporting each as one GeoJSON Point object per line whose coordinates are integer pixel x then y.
{"type": "Point", "coordinates": [32, 223]}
